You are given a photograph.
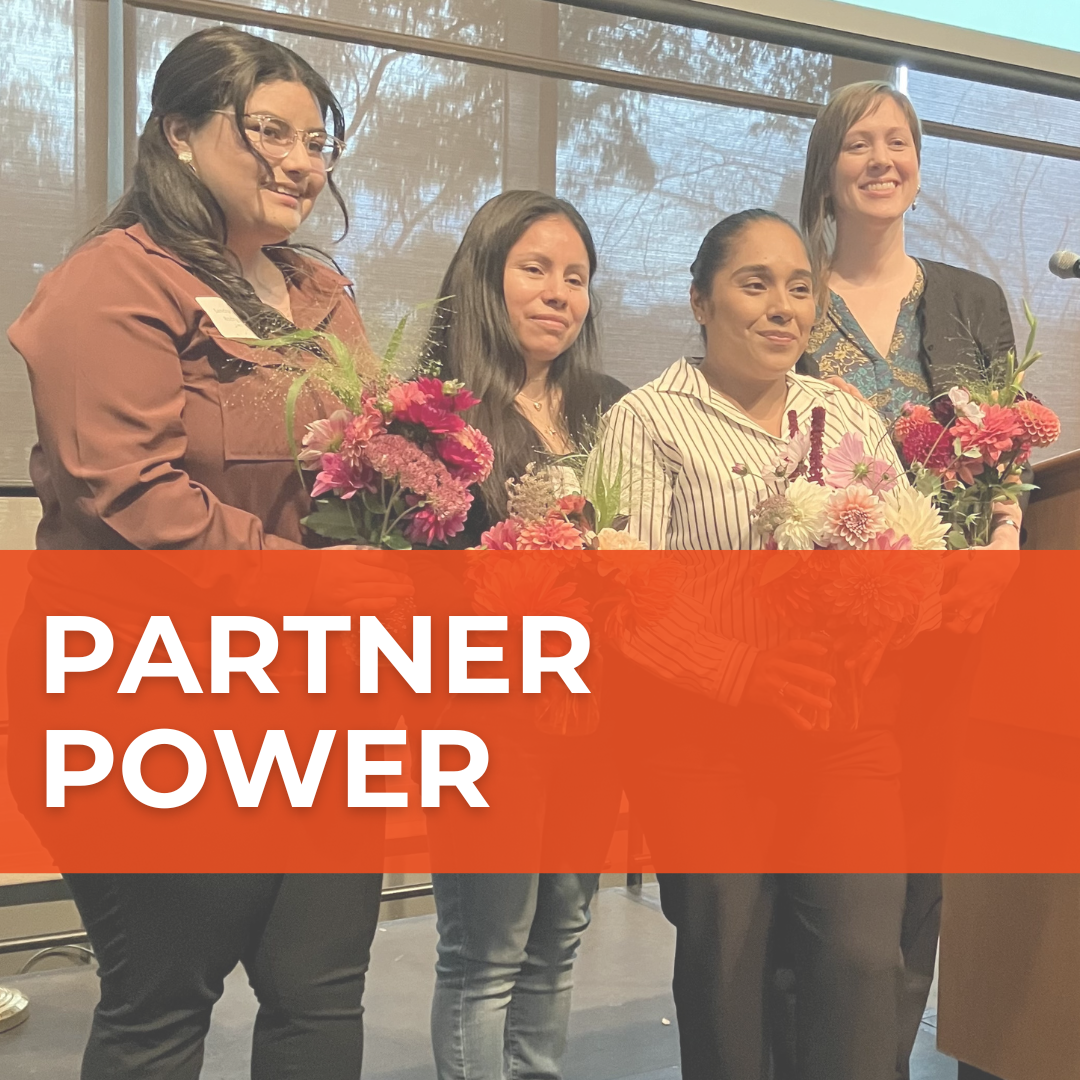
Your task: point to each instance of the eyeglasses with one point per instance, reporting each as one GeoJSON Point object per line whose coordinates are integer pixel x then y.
{"type": "Point", "coordinates": [274, 138]}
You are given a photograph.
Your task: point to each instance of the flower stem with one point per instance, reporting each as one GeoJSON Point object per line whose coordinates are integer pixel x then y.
{"type": "Point", "coordinates": [383, 530]}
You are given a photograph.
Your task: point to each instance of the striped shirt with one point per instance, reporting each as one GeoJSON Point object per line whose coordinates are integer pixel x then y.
{"type": "Point", "coordinates": [678, 441]}
{"type": "Point", "coordinates": [674, 443]}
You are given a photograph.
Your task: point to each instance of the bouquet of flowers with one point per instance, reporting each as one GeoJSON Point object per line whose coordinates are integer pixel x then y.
{"type": "Point", "coordinates": [394, 466]}
{"type": "Point", "coordinates": [397, 470]}
{"type": "Point", "coordinates": [541, 517]}
{"type": "Point", "coordinates": [966, 450]}
{"type": "Point", "coordinates": [847, 499]}
{"type": "Point", "coordinates": [546, 512]}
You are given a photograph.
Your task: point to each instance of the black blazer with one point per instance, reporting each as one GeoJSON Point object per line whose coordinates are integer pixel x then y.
{"type": "Point", "coordinates": [965, 324]}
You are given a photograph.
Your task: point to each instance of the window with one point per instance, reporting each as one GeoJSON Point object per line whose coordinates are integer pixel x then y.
{"type": "Point", "coordinates": [431, 139]}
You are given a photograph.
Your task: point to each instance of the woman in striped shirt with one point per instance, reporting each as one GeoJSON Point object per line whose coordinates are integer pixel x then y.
{"type": "Point", "coordinates": [732, 778]}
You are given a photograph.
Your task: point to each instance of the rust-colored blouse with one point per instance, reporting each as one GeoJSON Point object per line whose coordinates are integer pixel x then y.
{"type": "Point", "coordinates": [154, 431]}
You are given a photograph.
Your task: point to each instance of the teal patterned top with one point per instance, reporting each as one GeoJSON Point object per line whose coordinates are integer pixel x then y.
{"type": "Point", "coordinates": [841, 347]}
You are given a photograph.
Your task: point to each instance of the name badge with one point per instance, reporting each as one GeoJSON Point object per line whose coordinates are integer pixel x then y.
{"type": "Point", "coordinates": [226, 321]}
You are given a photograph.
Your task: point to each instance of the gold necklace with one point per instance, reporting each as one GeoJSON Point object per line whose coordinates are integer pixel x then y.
{"type": "Point", "coordinates": [550, 430]}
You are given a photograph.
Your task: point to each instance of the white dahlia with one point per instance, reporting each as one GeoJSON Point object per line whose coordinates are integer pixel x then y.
{"type": "Point", "coordinates": [910, 513]}
{"type": "Point", "coordinates": [805, 521]}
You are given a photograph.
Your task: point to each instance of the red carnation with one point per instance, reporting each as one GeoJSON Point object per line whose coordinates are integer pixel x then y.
{"type": "Point", "coordinates": [929, 445]}
{"type": "Point", "coordinates": [1041, 424]}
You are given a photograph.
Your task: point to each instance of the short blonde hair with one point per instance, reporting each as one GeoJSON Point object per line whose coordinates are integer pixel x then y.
{"type": "Point", "coordinates": [845, 108]}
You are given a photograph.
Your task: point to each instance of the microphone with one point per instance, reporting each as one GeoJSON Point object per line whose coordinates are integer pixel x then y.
{"type": "Point", "coordinates": [1065, 264]}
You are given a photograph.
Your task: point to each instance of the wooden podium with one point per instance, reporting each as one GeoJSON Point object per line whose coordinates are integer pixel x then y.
{"type": "Point", "coordinates": [1009, 996]}
{"type": "Point", "coordinates": [1052, 518]}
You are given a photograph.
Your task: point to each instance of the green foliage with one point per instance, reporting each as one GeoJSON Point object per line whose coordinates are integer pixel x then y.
{"type": "Point", "coordinates": [394, 344]}
{"type": "Point", "coordinates": [331, 518]}
{"type": "Point", "coordinates": [603, 491]}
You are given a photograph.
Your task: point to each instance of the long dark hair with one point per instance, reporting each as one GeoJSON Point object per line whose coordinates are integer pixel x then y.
{"type": "Point", "coordinates": [213, 69]}
{"type": "Point", "coordinates": [715, 249]}
{"type": "Point", "coordinates": [472, 339]}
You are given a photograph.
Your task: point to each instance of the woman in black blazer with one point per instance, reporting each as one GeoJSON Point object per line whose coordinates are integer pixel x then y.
{"type": "Point", "coordinates": [898, 330]}
{"type": "Point", "coordinates": [963, 320]}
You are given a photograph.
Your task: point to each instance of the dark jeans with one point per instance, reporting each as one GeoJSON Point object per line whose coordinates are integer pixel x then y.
{"type": "Point", "coordinates": [165, 943]}
{"type": "Point", "coordinates": [847, 963]}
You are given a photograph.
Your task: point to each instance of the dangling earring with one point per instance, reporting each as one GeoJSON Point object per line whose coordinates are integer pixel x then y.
{"type": "Point", "coordinates": [915, 201]}
{"type": "Point", "coordinates": [185, 158]}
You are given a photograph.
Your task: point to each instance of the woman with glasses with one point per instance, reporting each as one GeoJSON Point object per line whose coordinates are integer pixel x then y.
{"type": "Point", "coordinates": [158, 429]}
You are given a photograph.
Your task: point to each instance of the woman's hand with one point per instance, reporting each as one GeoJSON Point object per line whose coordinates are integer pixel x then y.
{"type": "Point", "coordinates": [847, 387]}
{"type": "Point", "coordinates": [979, 585]}
{"type": "Point", "coordinates": [357, 583]}
{"type": "Point", "coordinates": [784, 679]}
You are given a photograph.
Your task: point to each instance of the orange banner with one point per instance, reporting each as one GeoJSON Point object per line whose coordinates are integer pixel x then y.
{"type": "Point", "coordinates": [527, 711]}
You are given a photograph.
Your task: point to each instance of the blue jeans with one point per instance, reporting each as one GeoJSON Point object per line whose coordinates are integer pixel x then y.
{"type": "Point", "coordinates": [505, 972]}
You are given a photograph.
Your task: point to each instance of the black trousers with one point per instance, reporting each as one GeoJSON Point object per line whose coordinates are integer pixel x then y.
{"type": "Point", "coordinates": [847, 963]}
{"type": "Point", "coordinates": [918, 944]}
{"type": "Point", "coordinates": [165, 942]}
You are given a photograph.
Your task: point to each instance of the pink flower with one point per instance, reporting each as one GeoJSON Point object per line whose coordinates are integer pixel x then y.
{"type": "Point", "coordinates": [342, 478]}
{"type": "Point", "coordinates": [570, 505]}
{"type": "Point", "coordinates": [993, 436]}
{"type": "Point", "coordinates": [502, 536]}
{"type": "Point", "coordinates": [1041, 424]}
{"type": "Point", "coordinates": [457, 396]}
{"type": "Point", "coordinates": [398, 459]}
{"type": "Point", "coordinates": [853, 517]}
{"type": "Point", "coordinates": [323, 437]}
{"type": "Point", "coordinates": [790, 462]}
{"type": "Point", "coordinates": [549, 535]}
{"type": "Point", "coordinates": [848, 463]}
{"type": "Point", "coordinates": [467, 454]}
{"type": "Point", "coordinates": [440, 514]}
{"type": "Point", "coordinates": [423, 402]}
{"type": "Point", "coordinates": [427, 526]}
{"type": "Point", "coordinates": [359, 430]}
{"type": "Point", "coordinates": [887, 541]}
{"type": "Point", "coordinates": [450, 498]}
{"type": "Point", "coordinates": [462, 399]}
{"type": "Point", "coordinates": [929, 444]}
{"type": "Point", "coordinates": [404, 395]}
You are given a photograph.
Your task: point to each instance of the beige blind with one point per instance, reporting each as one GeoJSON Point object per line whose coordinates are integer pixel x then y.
{"type": "Point", "coordinates": [431, 139]}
